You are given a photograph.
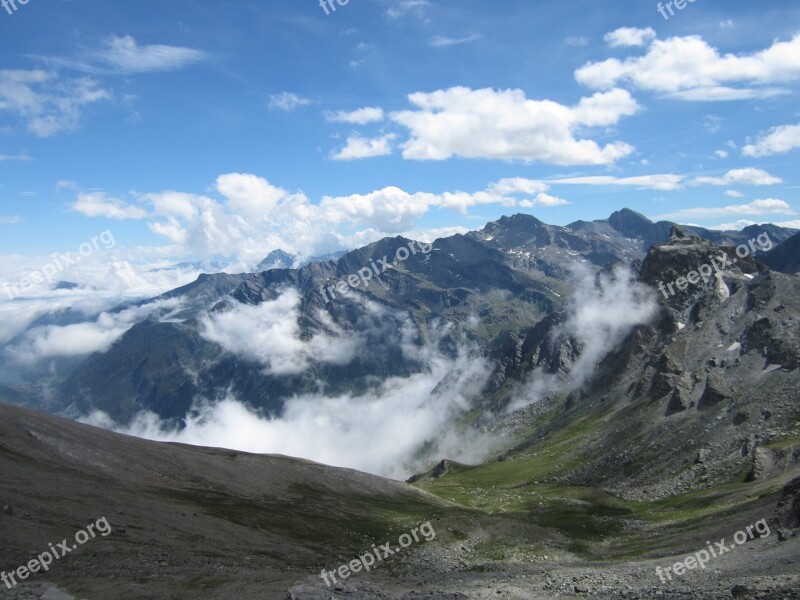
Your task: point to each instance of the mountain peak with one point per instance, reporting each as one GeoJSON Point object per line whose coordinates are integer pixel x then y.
{"type": "Point", "coordinates": [628, 220]}
{"type": "Point", "coordinates": [277, 259]}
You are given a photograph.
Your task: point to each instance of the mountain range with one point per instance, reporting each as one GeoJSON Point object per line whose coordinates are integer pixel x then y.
{"type": "Point", "coordinates": [563, 424]}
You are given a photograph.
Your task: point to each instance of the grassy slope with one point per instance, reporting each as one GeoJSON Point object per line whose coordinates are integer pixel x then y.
{"type": "Point", "coordinates": [591, 522]}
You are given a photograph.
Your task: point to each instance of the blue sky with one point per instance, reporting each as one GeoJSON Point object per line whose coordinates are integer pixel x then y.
{"type": "Point", "coordinates": [197, 129]}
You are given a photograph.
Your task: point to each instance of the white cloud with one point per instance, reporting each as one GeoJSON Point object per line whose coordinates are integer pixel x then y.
{"type": "Point", "coordinates": [515, 185]}
{"type": "Point", "coordinates": [664, 182]}
{"type": "Point", "coordinates": [739, 225]}
{"type": "Point", "coordinates": [747, 176]}
{"type": "Point", "coordinates": [780, 140]}
{"type": "Point", "coordinates": [734, 194]}
{"type": "Point", "coordinates": [124, 55]}
{"type": "Point", "coordinates": [795, 224]}
{"type": "Point", "coordinates": [362, 116]}
{"type": "Point", "coordinates": [765, 206]}
{"type": "Point", "coordinates": [441, 41]}
{"type": "Point", "coordinates": [721, 154]}
{"type": "Point", "coordinates": [10, 220]}
{"type": "Point", "coordinates": [724, 94]}
{"type": "Point", "coordinates": [543, 200]}
{"type": "Point", "coordinates": [506, 125]}
{"type": "Point", "coordinates": [735, 226]}
{"type": "Point", "coordinates": [287, 101]}
{"type": "Point", "coordinates": [98, 204]}
{"type": "Point", "coordinates": [578, 41]}
{"type": "Point", "coordinates": [406, 423]}
{"type": "Point", "coordinates": [389, 209]}
{"type": "Point", "coordinates": [49, 105]}
{"type": "Point", "coordinates": [689, 69]}
{"type": "Point", "coordinates": [602, 311]}
{"type": "Point", "coordinates": [81, 339]}
{"type": "Point", "coordinates": [7, 157]}
{"type": "Point", "coordinates": [269, 334]}
{"type": "Point", "coordinates": [358, 147]}
{"type": "Point", "coordinates": [630, 36]}
{"type": "Point", "coordinates": [401, 8]}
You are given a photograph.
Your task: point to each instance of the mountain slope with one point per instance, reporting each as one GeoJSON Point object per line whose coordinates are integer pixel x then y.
{"type": "Point", "coordinates": [786, 257]}
{"type": "Point", "coordinates": [185, 520]}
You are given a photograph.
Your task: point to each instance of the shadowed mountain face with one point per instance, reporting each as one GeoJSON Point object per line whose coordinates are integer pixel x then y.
{"type": "Point", "coordinates": [786, 258]}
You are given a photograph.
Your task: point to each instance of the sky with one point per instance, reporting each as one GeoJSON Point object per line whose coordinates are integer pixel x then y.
{"type": "Point", "coordinates": [143, 143]}
{"type": "Point", "coordinates": [201, 131]}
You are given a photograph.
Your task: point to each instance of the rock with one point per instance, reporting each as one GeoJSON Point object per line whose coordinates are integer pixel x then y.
{"type": "Point", "coordinates": [789, 504]}
{"type": "Point", "coordinates": [739, 591]}
{"type": "Point", "coordinates": [7, 510]}
{"type": "Point", "coordinates": [579, 589]}
{"type": "Point", "coordinates": [716, 391]}
{"type": "Point", "coordinates": [702, 456]}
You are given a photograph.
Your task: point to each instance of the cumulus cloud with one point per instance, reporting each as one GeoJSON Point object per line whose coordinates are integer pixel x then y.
{"type": "Point", "coordinates": [602, 311]}
{"type": "Point", "coordinates": [390, 209]}
{"type": "Point", "coordinates": [358, 147]}
{"type": "Point", "coordinates": [688, 68]}
{"type": "Point", "coordinates": [248, 216]}
{"type": "Point", "coordinates": [504, 124]}
{"type": "Point", "coordinates": [630, 36]}
{"type": "Point", "coordinates": [779, 140]}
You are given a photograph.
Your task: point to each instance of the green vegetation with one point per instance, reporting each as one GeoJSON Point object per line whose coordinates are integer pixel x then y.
{"type": "Point", "coordinates": [585, 521]}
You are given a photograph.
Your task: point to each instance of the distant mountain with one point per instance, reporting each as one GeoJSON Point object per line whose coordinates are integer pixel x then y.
{"type": "Point", "coordinates": [513, 274]}
{"type": "Point", "coordinates": [277, 259]}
